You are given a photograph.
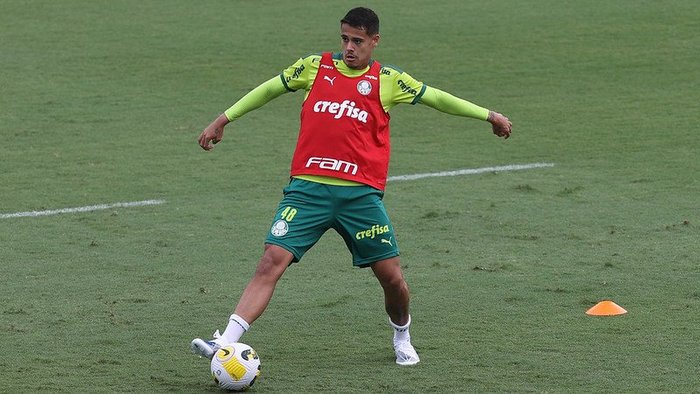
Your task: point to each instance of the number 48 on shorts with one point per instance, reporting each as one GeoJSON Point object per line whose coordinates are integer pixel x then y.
{"type": "Point", "coordinates": [281, 226]}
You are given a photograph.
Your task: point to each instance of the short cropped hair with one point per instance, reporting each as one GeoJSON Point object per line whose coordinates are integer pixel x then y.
{"type": "Point", "coordinates": [362, 18]}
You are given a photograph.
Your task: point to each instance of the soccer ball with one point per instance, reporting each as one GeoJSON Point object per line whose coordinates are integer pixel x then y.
{"type": "Point", "coordinates": [235, 367]}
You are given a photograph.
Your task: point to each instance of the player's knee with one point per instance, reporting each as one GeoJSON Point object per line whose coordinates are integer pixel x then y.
{"type": "Point", "coordinates": [273, 262]}
{"type": "Point", "coordinates": [390, 276]}
{"type": "Point", "coordinates": [394, 282]}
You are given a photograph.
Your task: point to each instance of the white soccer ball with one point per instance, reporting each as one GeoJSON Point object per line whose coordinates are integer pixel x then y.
{"type": "Point", "coordinates": [235, 367]}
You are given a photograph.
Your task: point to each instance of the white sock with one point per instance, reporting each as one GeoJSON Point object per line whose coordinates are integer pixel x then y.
{"type": "Point", "coordinates": [401, 333]}
{"type": "Point", "coordinates": [236, 327]}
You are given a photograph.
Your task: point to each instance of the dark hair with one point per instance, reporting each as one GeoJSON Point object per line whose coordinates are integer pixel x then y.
{"type": "Point", "coordinates": [362, 18]}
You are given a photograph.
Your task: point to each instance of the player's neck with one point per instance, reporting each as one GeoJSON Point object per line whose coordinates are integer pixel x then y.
{"type": "Point", "coordinates": [351, 72]}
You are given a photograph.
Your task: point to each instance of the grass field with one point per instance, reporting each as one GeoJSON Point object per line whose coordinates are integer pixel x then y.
{"type": "Point", "coordinates": [102, 101]}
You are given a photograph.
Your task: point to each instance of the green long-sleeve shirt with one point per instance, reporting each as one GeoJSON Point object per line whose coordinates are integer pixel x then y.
{"type": "Point", "coordinates": [395, 87]}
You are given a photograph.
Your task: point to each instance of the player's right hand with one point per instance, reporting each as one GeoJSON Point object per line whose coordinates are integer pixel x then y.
{"type": "Point", "coordinates": [213, 134]}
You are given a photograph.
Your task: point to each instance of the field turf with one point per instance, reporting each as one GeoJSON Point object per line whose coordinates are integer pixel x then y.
{"type": "Point", "coordinates": [101, 102]}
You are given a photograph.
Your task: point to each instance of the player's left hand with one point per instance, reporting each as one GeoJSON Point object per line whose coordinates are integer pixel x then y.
{"type": "Point", "coordinates": [500, 124]}
{"type": "Point", "coordinates": [210, 136]}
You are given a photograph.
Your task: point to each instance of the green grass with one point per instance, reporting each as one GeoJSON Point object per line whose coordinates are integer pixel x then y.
{"type": "Point", "coordinates": [102, 101]}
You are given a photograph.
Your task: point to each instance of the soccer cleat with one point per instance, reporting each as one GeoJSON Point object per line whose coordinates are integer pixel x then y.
{"type": "Point", "coordinates": [204, 348]}
{"type": "Point", "coordinates": [405, 353]}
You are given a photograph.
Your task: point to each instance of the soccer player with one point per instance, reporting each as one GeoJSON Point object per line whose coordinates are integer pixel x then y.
{"type": "Point", "coordinates": [338, 170]}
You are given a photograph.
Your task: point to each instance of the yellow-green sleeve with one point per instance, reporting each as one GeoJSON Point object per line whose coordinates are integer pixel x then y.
{"type": "Point", "coordinates": [445, 102]}
{"type": "Point", "coordinates": [397, 87]}
{"type": "Point", "coordinates": [301, 74]}
{"type": "Point", "coordinates": [256, 98]}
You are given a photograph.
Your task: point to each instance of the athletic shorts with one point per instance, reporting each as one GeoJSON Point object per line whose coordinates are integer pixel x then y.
{"type": "Point", "coordinates": [309, 209]}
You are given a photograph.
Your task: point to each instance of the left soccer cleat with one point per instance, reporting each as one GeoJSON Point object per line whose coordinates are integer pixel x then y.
{"type": "Point", "coordinates": [204, 348]}
{"type": "Point", "coordinates": [405, 353]}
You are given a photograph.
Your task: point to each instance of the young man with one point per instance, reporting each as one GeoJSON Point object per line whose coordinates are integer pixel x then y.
{"type": "Point", "coordinates": [338, 171]}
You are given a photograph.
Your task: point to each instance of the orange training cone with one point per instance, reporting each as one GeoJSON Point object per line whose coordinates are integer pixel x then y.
{"type": "Point", "coordinates": [606, 308]}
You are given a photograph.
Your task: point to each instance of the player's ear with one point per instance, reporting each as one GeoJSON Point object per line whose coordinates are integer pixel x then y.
{"type": "Point", "coordinates": [375, 40]}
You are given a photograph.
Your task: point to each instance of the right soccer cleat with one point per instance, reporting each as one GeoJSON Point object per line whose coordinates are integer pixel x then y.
{"type": "Point", "coordinates": [204, 348]}
{"type": "Point", "coordinates": [405, 353]}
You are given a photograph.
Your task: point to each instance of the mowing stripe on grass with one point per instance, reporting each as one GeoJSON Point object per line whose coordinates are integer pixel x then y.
{"type": "Point", "coordinates": [89, 208]}
{"type": "Point", "coordinates": [470, 171]}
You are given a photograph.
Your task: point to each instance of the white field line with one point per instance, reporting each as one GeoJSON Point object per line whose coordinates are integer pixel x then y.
{"type": "Point", "coordinates": [101, 207]}
{"type": "Point", "coordinates": [89, 208]}
{"type": "Point", "coordinates": [469, 171]}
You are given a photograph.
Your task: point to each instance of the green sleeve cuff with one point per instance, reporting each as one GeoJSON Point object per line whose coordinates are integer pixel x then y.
{"type": "Point", "coordinates": [284, 82]}
{"type": "Point", "coordinates": [419, 95]}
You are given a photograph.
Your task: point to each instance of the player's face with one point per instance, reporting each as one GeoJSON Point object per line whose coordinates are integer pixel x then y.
{"type": "Point", "coordinates": [357, 46]}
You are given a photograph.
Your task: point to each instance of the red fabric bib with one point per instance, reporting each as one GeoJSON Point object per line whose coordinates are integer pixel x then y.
{"type": "Point", "coordinates": [344, 129]}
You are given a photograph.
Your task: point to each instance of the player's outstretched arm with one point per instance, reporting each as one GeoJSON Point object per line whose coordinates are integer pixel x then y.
{"type": "Point", "coordinates": [256, 98]}
{"type": "Point", "coordinates": [445, 102]}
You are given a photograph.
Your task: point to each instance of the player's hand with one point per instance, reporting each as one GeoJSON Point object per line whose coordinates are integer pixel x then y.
{"type": "Point", "coordinates": [500, 124]}
{"type": "Point", "coordinates": [213, 134]}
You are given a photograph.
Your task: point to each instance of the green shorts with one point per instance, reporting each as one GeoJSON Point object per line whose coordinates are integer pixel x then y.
{"type": "Point", "coordinates": [357, 213]}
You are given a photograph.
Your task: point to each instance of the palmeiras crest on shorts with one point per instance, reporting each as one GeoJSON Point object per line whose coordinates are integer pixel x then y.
{"type": "Point", "coordinates": [364, 87]}
{"type": "Point", "coordinates": [279, 228]}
